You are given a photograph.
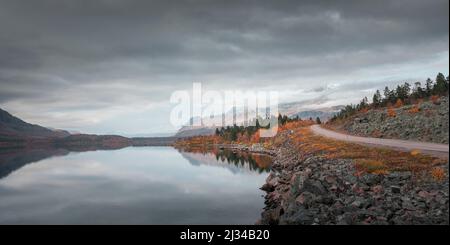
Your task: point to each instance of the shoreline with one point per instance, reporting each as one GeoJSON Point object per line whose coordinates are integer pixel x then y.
{"type": "Point", "coordinates": [304, 189]}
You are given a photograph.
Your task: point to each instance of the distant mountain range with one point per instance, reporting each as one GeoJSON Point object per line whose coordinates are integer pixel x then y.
{"type": "Point", "coordinates": [291, 110]}
{"type": "Point", "coordinates": [295, 109]}
{"type": "Point", "coordinates": [189, 131]}
{"type": "Point", "coordinates": [16, 133]}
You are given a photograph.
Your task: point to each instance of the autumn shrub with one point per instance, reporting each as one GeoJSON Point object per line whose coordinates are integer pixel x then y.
{"type": "Point", "coordinates": [391, 112]}
{"type": "Point", "coordinates": [399, 103]}
{"type": "Point", "coordinates": [415, 152]}
{"type": "Point", "coordinates": [435, 99]}
{"type": "Point", "coordinates": [364, 110]}
{"type": "Point", "coordinates": [438, 174]}
{"type": "Point", "coordinates": [414, 109]}
{"type": "Point", "coordinates": [255, 137]}
{"type": "Point", "coordinates": [372, 166]}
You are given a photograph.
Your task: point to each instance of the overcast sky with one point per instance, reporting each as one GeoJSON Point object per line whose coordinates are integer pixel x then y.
{"type": "Point", "coordinates": [110, 66]}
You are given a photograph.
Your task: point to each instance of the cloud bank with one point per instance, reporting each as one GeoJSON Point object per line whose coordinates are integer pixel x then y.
{"type": "Point", "coordinates": [109, 66]}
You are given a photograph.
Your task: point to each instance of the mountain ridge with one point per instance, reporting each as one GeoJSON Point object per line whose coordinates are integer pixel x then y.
{"type": "Point", "coordinates": [14, 127]}
{"type": "Point", "coordinates": [292, 110]}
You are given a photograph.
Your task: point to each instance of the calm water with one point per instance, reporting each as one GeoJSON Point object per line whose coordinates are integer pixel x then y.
{"type": "Point", "coordinates": [147, 185]}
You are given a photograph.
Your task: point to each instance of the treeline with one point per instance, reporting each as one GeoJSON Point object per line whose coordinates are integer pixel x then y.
{"type": "Point", "coordinates": [232, 133]}
{"type": "Point", "coordinates": [403, 94]}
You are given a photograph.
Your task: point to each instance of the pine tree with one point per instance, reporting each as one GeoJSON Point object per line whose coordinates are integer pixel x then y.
{"type": "Point", "coordinates": [441, 87]}
{"type": "Point", "coordinates": [389, 96]}
{"type": "Point", "coordinates": [376, 100]}
{"type": "Point", "coordinates": [429, 87]}
{"type": "Point", "coordinates": [402, 91]}
{"type": "Point", "coordinates": [418, 91]}
{"type": "Point", "coordinates": [318, 120]}
{"type": "Point", "coordinates": [364, 103]}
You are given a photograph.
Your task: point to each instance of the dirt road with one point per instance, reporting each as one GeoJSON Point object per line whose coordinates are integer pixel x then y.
{"type": "Point", "coordinates": [405, 145]}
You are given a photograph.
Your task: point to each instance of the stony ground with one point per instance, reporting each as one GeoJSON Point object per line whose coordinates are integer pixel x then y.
{"type": "Point", "coordinates": [430, 123]}
{"type": "Point", "coordinates": [311, 190]}
{"type": "Point", "coordinates": [315, 180]}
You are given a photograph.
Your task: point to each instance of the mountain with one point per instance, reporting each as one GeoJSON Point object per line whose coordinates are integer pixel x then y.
{"type": "Point", "coordinates": [324, 115]}
{"type": "Point", "coordinates": [16, 133]}
{"type": "Point", "coordinates": [189, 131]}
{"type": "Point", "coordinates": [90, 142]}
{"type": "Point", "coordinates": [291, 110]}
{"type": "Point", "coordinates": [152, 141]}
{"type": "Point", "coordinates": [295, 109]}
{"type": "Point", "coordinates": [12, 127]}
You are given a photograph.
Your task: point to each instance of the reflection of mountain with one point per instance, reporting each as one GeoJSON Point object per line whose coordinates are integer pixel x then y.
{"type": "Point", "coordinates": [85, 142]}
{"type": "Point", "coordinates": [13, 159]}
{"type": "Point", "coordinates": [236, 162]}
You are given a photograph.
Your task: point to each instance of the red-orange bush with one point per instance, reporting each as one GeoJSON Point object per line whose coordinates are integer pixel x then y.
{"type": "Point", "coordinates": [391, 112]}
{"type": "Point", "coordinates": [398, 104]}
{"type": "Point", "coordinates": [438, 174]}
{"type": "Point", "coordinates": [435, 99]}
{"type": "Point", "coordinates": [415, 109]}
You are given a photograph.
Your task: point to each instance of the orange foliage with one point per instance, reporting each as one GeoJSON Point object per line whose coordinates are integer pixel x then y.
{"type": "Point", "coordinates": [415, 152]}
{"type": "Point", "coordinates": [438, 174]}
{"type": "Point", "coordinates": [364, 110]}
{"type": "Point", "coordinates": [366, 159]}
{"type": "Point", "coordinates": [372, 166]}
{"type": "Point", "coordinates": [242, 138]}
{"type": "Point", "coordinates": [391, 112]}
{"type": "Point", "coordinates": [255, 137]}
{"type": "Point", "coordinates": [399, 103]}
{"type": "Point", "coordinates": [415, 109]}
{"type": "Point", "coordinates": [435, 99]}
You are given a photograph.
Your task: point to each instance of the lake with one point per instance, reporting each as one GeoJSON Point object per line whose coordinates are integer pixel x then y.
{"type": "Point", "coordinates": [134, 185]}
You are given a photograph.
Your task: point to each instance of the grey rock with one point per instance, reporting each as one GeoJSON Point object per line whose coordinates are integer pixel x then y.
{"type": "Point", "coordinates": [314, 187]}
{"type": "Point", "coordinates": [395, 189]}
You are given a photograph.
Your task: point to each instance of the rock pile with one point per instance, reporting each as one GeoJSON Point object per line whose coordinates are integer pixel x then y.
{"type": "Point", "coordinates": [308, 190]}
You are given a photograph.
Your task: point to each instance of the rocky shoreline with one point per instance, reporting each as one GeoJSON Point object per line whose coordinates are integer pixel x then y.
{"type": "Point", "coordinates": [310, 190]}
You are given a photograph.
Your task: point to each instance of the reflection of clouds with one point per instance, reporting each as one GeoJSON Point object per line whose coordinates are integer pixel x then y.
{"type": "Point", "coordinates": [146, 185]}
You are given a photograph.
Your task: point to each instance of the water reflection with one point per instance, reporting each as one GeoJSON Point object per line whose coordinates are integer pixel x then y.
{"type": "Point", "coordinates": [148, 185]}
{"type": "Point", "coordinates": [235, 161]}
{"type": "Point", "coordinates": [15, 158]}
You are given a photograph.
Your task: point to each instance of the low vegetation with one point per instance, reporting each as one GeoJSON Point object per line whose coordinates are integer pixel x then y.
{"type": "Point", "coordinates": [366, 159]}
{"type": "Point", "coordinates": [297, 134]}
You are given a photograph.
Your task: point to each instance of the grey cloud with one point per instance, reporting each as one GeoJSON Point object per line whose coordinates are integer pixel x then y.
{"type": "Point", "coordinates": [53, 52]}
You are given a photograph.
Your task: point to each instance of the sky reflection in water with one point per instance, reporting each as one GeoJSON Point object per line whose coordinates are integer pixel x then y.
{"type": "Point", "coordinates": [149, 185]}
